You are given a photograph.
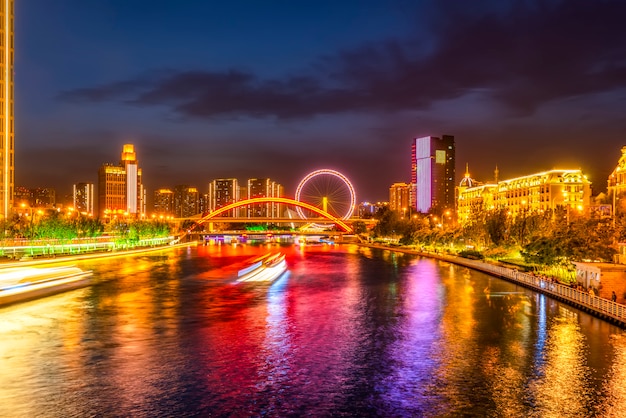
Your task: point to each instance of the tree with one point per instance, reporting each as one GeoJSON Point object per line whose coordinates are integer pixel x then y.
{"type": "Point", "coordinates": [496, 225]}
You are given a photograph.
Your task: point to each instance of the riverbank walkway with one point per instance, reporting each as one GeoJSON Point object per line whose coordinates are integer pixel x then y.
{"type": "Point", "coordinates": [602, 308]}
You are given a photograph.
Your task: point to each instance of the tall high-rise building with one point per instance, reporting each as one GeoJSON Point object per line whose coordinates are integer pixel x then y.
{"type": "Point", "coordinates": [164, 202]}
{"type": "Point", "coordinates": [186, 201]}
{"type": "Point", "coordinates": [277, 190]}
{"type": "Point", "coordinates": [433, 174]}
{"type": "Point", "coordinates": [258, 188]}
{"type": "Point", "coordinates": [7, 133]}
{"type": "Point", "coordinates": [223, 192]}
{"type": "Point", "coordinates": [263, 188]}
{"type": "Point", "coordinates": [84, 197]}
{"type": "Point", "coordinates": [399, 197]}
{"type": "Point", "coordinates": [120, 189]}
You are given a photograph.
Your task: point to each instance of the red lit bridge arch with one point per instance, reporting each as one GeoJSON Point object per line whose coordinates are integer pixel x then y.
{"type": "Point", "coordinates": [341, 224]}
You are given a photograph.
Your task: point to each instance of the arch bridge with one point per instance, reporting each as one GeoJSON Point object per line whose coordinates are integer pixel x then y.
{"type": "Point", "coordinates": [284, 200]}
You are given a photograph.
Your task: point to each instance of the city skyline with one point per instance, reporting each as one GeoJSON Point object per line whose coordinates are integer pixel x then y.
{"type": "Point", "coordinates": [261, 90]}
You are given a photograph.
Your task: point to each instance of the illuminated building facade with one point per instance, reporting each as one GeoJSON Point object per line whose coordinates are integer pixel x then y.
{"type": "Point", "coordinates": [23, 197]}
{"type": "Point", "coordinates": [223, 192]}
{"type": "Point", "coordinates": [263, 188]}
{"type": "Point", "coordinates": [163, 202]}
{"type": "Point", "coordinates": [120, 188]}
{"type": "Point", "coordinates": [7, 133]}
{"type": "Point", "coordinates": [536, 192]}
{"type": "Point", "coordinates": [617, 179]}
{"type": "Point", "coordinates": [368, 209]}
{"type": "Point", "coordinates": [186, 201]}
{"type": "Point", "coordinates": [399, 197]}
{"type": "Point", "coordinates": [433, 174]}
{"type": "Point", "coordinates": [44, 197]}
{"type": "Point", "coordinates": [83, 195]}
{"type": "Point", "coordinates": [38, 197]}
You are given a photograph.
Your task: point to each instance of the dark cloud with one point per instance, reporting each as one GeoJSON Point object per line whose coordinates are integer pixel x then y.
{"type": "Point", "coordinates": [521, 58]}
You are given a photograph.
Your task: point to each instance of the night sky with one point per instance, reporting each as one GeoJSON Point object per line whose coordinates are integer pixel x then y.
{"type": "Point", "coordinates": [214, 89]}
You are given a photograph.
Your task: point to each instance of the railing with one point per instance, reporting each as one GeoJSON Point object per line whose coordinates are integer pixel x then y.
{"type": "Point", "coordinates": [600, 306]}
{"type": "Point", "coordinates": [19, 248]}
{"type": "Point", "coordinates": [597, 304]}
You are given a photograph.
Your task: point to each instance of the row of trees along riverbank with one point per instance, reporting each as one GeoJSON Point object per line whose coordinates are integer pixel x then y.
{"type": "Point", "coordinates": [545, 242]}
{"type": "Point", "coordinates": [56, 226]}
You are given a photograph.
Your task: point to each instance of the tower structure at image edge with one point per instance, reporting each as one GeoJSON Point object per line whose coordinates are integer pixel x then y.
{"type": "Point", "coordinates": [7, 182]}
{"type": "Point", "coordinates": [433, 174]}
{"type": "Point", "coordinates": [120, 188]}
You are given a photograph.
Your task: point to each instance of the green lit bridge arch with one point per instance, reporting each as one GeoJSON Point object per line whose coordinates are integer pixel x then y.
{"type": "Point", "coordinates": [284, 200]}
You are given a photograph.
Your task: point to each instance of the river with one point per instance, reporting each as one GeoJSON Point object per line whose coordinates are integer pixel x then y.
{"type": "Point", "coordinates": [346, 331]}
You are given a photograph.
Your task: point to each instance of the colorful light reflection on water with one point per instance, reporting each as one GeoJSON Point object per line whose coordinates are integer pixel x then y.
{"type": "Point", "coordinates": [346, 331]}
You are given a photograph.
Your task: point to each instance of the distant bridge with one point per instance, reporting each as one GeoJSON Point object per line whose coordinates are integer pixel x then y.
{"type": "Point", "coordinates": [215, 215]}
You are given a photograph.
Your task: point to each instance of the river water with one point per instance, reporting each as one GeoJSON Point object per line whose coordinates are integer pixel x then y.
{"type": "Point", "coordinates": [347, 331]}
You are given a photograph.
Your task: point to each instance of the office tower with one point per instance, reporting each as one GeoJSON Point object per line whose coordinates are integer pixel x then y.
{"type": "Point", "coordinates": [164, 202]}
{"type": "Point", "coordinates": [186, 201]}
{"type": "Point", "coordinates": [120, 188]}
{"type": "Point", "coordinates": [83, 198]}
{"type": "Point", "coordinates": [7, 182]}
{"type": "Point", "coordinates": [223, 192]}
{"type": "Point", "coordinates": [433, 174]}
{"type": "Point", "coordinates": [399, 198]}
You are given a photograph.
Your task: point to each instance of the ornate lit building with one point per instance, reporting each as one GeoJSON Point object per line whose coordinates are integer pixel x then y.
{"type": "Point", "coordinates": [7, 131]}
{"type": "Point", "coordinates": [617, 179]}
{"type": "Point", "coordinates": [433, 174]}
{"type": "Point", "coordinates": [536, 192]}
{"type": "Point", "coordinates": [120, 188]}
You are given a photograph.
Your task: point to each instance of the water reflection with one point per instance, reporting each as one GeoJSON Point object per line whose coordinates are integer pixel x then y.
{"type": "Point", "coordinates": [347, 331]}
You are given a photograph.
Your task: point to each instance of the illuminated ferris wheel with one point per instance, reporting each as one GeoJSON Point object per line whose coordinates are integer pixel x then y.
{"type": "Point", "coordinates": [328, 190]}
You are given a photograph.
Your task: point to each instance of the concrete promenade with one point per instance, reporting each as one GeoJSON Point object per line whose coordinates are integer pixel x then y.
{"type": "Point", "coordinates": [602, 308]}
